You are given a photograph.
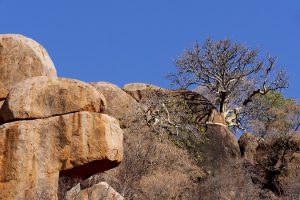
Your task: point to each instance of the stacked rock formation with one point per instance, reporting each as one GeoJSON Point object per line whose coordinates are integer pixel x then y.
{"type": "Point", "coordinates": [50, 127]}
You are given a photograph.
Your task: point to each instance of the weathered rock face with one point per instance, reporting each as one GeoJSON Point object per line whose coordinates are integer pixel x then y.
{"type": "Point", "coordinates": [139, 86]}
{"type": "Point", "coordinates": [98, 191]}
{"type": "Point", "coordinates": [34, 152]}
{"type": "Point", "coordinates": [248, 143]}
{"type": "Point", "coordinates": [22, 58]}
{"type": "Point", "coordinates": [221, 147]}
{"type": "Point", "coordinates": [137, 90]}
{"type": "Point", "coordinates": [3, 92]}
{"type": "Point", "coordinates": [42, 97]}
{"type": "Point", "coordinates": [51, 129]}
{"type": "Point", "coordinates": [120, 104]}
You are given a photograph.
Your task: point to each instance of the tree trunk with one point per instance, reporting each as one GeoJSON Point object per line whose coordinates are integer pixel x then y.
{"type": "Point", "coordinates": [223, 103]}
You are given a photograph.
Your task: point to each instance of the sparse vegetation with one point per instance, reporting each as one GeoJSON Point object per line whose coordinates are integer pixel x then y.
{"type": "Point", "coordinates": [150, 164]}
{"type": "Point", "coordinates": [231, 73]}
{"type": "Point", "coordinates": [274, 115]}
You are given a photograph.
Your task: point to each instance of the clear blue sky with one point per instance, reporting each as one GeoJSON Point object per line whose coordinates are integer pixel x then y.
{"type": "Point", "coordinates": [135, 40]}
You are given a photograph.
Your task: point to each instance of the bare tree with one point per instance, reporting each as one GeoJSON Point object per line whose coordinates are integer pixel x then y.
{"type": "Point", "coordinates": [233, 73]}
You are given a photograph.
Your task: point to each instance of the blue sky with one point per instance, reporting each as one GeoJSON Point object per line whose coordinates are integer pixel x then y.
{"type": "Point", "coordinates": [135, 40]}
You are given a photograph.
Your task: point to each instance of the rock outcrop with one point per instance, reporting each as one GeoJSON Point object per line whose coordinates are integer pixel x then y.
{"type": "Point", "coordinates": [136, 90]}
{"type": "Point", "coordinates": [220, 143]}
{"type": "Point", "coordinates": [22, 58]}
{"type": "Point", "coordinates": [35, 152]}
{"type": "Point", "coordinates": [41, 97]}
{"type": "Point", "coordinates": [58, 136]}
{"type": "Point", "coordinates": [51, 128]}
{"type": "Point", "coordinates": [120, 104]}
{"type": "Point", "coordinates": [98, 191]}
{"type": "Point", "coordinates": [152, 136]}
{"type": "Point", "coordinates": [139, 86]}
{"type": "Point", "coordinates": [219, 148]}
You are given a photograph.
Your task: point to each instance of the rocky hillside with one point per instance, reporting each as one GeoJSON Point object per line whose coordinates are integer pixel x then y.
{"type": "Point", "coordinates": [163, 160]}
{"type": "Point", "coordinates": [65, 139]}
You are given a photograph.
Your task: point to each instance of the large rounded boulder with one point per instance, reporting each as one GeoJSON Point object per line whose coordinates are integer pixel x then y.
{"type": "Point", "coordinates": [36, 154]}
{"type": "Point", "coordinates": [42, 97]}
{"type": "Point", "coordinates": [139, 86]}
{"type": "Point", "coordinates": [22, 58]}
{"type": "Point", "coordinates": [138, 90]}
{"type": "Point", "coordinates": [120, 104]}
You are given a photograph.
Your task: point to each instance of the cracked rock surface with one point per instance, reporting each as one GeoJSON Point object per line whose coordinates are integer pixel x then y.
{"type": "Point", "coordinates": [41, 97]}
{"type": "Point", "coordinates": [50, 127]}
{"type": "Point", "coordinates": [22, 58]}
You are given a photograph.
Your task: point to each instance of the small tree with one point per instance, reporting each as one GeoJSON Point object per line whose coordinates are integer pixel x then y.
{"type": "Point", "coordinates": [231, 73]}
{"type": "Point", "coordinates": [273, 114]}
